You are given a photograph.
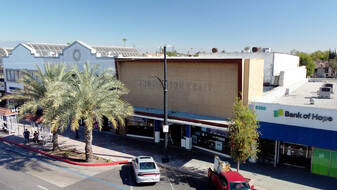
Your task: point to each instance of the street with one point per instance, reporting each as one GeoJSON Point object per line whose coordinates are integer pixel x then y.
{"type": "Point", "coordinates": [22, 169]}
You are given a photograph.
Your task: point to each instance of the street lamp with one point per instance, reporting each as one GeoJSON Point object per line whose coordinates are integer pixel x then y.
{"type": "Point", "coordinates": [165, 159]}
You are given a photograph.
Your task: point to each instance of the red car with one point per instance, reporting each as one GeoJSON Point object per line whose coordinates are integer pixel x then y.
{"type": "Point", "coordinates": [229, 180]}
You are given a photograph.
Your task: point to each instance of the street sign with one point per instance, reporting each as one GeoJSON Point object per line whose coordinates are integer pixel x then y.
{"type": "Point", "coordinates": [165, 128]}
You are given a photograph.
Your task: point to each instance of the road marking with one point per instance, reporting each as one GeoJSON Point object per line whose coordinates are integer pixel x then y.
{"type": "Point", "coordinates": [168, 179]}
{"type": "Point", "coordinates": [39, 186]}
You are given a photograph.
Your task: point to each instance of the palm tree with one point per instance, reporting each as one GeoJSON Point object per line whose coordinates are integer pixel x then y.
{"type": "Point", "coordinates": [90, 95]}
{"type": "Point", "coordinates": [34, 95]}
{"type": "Point", "coordinates": [124, 40]}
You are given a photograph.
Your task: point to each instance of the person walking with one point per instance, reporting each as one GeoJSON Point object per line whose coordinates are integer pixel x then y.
{"type": "Point", "coordinates": [36, 137]}
{"type": "Point", "coordinates": [26, 134]}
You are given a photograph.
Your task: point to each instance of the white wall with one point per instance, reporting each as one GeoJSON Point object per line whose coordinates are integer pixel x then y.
{"type": "Point", "coordinates": [21, 58]}
{"type": "Point", "coordinates": [266, 113]}
{"type": "Point", "coordinates": [283, 62]}
{"type": "Point", "coordinates": [289, 77]}
{"type": "Point", "coordinates": [267, 56]}
{"type": "Point", "coordinates": [274, 63]}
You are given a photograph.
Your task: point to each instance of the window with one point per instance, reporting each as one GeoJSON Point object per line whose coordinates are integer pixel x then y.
{"type": "Point", "coordinates": [223, 180]}
{"type": "Point", "coordinates": [147, 166]}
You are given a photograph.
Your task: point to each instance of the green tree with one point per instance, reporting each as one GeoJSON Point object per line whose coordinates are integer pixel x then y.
{"type": "Point", "coordinates": [320, 55]}
{"type": "Point", "coordinates": [34, 96]}
{"type": "Point", "coordinates": [243, 133]}
{"type": "Point", "coordinates": [332, 63]}
{"type": "Point", "coordinates": [306, 60]}
{"type": "Point", "coordinates": [294, 52]}
{"type": "Point", "coordinates": [90, 95]}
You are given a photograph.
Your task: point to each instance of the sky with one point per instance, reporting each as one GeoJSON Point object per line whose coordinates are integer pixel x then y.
{"type": "Point", "coordinates": [185, 25]}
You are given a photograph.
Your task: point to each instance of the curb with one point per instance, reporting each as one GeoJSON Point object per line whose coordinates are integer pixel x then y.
{"type": "Point", "coordinates": [65, 160]}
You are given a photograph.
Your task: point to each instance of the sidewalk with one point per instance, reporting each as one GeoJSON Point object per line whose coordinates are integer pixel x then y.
{"type": "Point", "coordinates": [118, 148]}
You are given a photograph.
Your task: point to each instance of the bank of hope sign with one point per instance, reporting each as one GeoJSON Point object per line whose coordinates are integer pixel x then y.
{"type": "Point", "coordinates": [298, 116]}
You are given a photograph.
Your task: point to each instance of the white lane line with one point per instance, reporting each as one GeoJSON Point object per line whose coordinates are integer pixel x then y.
{"type": "Point", "coordinates": [168, 179]}
{"type": "Point", "coordinates": [39, 186]}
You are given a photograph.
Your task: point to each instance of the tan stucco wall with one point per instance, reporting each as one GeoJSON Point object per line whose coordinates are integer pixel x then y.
{"type": "Point", "coordinates": [203, 88]}
{"type": "Point", "coordinates": [253, 79]}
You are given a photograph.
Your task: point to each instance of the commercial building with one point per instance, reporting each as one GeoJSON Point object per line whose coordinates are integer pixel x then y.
{"type": "Point", "coordinates": [299, 126]}
{"type": "Point", "coordinates": [201, 94]}
{"type": "Point", "coordinates": [26, 55]}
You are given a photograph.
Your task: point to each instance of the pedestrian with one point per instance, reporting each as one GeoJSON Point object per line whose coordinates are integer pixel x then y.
{"type": "Point", "coordinates": [5, 127]}
{"type": "Point", "coordinates": [36, 137]}
{"type": "Point", "coordinates": [26, 134]}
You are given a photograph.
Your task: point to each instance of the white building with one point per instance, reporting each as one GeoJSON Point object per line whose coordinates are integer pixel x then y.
{"type": "Point", "coordinates": [274, 63]}
{"type": "Point", "coordinates": [27, 55]}
{"type": "Point", "coordinates": [299, 125]}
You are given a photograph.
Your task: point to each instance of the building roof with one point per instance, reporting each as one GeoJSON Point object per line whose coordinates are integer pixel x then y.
{"type": "Point", "coordinates": [302, 95]}
{"type": "Point", "coordinates": [31, 118]}
{"type": "Point", "coordinates": [53, 50]}
{"type": "Point", "coordinates": [5, 51]}
{"type": "Point", "coordinates": [47, 50]}
{"type": "Point", "coordinates": [6, 112]}
{"type": "Point", "coordinates": [109, 51]}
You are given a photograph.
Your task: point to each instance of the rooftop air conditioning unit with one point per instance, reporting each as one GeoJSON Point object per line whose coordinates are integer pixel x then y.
{"type": "Point", "coordinates": [324, 92]}
{"type": "Point", "coordinates": [329, 85]}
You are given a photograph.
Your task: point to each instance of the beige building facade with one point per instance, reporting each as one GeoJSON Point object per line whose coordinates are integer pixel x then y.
{"type": "Point", "coordinates": [199, 86]}
{"type": "Point", "coordinates": [201, 94]}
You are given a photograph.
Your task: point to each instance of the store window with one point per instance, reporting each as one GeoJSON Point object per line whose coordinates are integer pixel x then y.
{"type": "Point", "coordinates": [140, 126]}
{"type": "Point", "coordinates": [212, 139]}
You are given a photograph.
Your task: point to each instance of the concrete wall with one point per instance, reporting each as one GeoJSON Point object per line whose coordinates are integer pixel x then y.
{"type": "Point", "coordinates": [253, 79]}
{"type": "Point", "coordinates": [284, 62]}
{"type": "Point", "coordinates": [292, 76]}
{"type": "Point", "coordinates": [267, 56]}
{"type": "Point", "coordinates": [22, 58]}
{"type": "Point", "coordinates": [204, 87]}
{"type": "Point", "coordinates": [274, 63]}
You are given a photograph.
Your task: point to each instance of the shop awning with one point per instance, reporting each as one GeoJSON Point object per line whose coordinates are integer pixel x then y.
{"type": "Point", "coordinates": [183, 118]}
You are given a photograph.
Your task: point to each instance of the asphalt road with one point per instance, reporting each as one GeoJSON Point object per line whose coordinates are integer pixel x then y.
{"type": "Point", "coordinates": [24, 170]}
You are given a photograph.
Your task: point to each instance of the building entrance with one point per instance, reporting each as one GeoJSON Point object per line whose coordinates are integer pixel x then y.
{"type": "Point", "coordinates": [295, 154]}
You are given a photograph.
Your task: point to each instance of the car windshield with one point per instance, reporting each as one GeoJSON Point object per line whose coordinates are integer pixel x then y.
{"type": "Point", "coordinates": [242, 185]}
{"type": "Point", "coordinates": [147, 166]}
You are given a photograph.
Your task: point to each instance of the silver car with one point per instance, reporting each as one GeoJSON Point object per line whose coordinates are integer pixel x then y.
{"type": "Point", "coordinates": [145, 169]}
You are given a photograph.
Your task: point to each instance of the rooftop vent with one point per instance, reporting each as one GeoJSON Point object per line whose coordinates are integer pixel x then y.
{"type": "Point", "coordinates": [325, 92]}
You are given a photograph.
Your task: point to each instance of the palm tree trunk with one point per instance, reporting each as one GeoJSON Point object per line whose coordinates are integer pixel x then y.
{"type": "Point", "coordinates": [89, 156]}
{"type": "Point", "coordinates": [55, 141]}
{"type": "Point", "coordinates": [238, 167]}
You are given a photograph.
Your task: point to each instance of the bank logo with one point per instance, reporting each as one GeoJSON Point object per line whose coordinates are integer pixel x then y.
{"type": "Point", "coordinates": [278, 112]}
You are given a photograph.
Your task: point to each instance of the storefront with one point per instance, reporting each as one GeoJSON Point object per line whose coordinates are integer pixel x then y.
{"type": "Point", "coordinates": [302, 137]}
{"type": "Point", "coordinates": [212, 139]}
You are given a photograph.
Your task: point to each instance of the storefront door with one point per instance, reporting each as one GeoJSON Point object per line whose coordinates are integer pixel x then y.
{"type": "Point", "coordinates": [324, 162]}
{"type": "Point", "coordinates": [295, 154]}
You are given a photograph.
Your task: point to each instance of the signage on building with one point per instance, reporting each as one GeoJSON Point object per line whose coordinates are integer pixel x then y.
{"type": "Point", "coordinates": [301, 116]}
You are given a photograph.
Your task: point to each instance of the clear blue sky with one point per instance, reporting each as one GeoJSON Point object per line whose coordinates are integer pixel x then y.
{"type": "Point", "coordinates": [230, 25]}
